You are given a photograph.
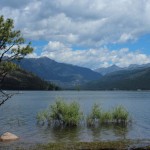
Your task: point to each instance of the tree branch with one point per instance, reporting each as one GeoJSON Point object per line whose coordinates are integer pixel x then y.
{"type": "Point", "coordinates": [6, 51]}
{"type": "Point", "coordinates": [4, 97]}
{"type": "Point", "coordinates": [9, 38]}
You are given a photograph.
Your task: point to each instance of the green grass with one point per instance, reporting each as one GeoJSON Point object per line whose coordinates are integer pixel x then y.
{"type": "Point", "coordinates": [41, 117]}
{"type": "Point", "coordinates": [115, 145]}
{"type": "Point", "coordinates": [66, 114]}
{"type": "Point", "coordinates": [102, 145]}
{"type": "Point", "coordinates": [61, 114]}
{"type": "Point", "coordinates": [94, 116]}
{"type": "Point", "coordinates": [106, 117]}
{"type": "Point", "coordinates": [120, 115]}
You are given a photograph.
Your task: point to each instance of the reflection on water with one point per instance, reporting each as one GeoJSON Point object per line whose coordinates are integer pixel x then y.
{"type": "Point", "coordinates": [65, 134]}
{"type": "Point", "coordinates": [121, 131]}
{"type": "Point", "coordinates": [117, 130]}
{"type": "Point", "coordinates": [83, 133]}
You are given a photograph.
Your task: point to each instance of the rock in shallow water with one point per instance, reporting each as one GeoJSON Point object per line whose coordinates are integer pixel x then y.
{"type": "Point", "coordinates": [8, 137]}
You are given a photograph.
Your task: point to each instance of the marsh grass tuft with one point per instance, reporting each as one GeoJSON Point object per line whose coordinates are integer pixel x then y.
{"type": "Point", "coordinates": [41, 117]}
{"type": "Point", "coordinates": [94, 117]}
{"type": "Point", "coordinates": [63, 114]}
{"type": "Point", "coordinates": [120, 115]}
{"type": "Point", "coordinates": [106, 117]}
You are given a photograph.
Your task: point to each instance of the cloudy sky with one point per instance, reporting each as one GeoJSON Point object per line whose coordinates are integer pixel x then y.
{"type": "Point", "coordinates": [87, 33]}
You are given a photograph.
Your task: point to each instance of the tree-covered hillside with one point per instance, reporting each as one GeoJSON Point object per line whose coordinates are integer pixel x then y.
{"type": "Point", "coordinates": [122, 80]}
{"type": "Point", "coordinates": [22, 80]}
{"type": "Point", "coordinates": [49, 69]}
{"type": "Point", "coordinates": [65, 75]}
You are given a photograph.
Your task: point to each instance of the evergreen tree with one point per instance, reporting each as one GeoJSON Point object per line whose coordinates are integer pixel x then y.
{"type": "Point", "coordinates": [12, 47]}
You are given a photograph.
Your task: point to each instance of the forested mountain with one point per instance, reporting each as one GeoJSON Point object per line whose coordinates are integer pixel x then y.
{"type": "Point", "coordinates": [69, 76]}
{"type": "Point", "coordinates": [60, 73]}
{"type": "Point", "coordinates": [134, 79]}
{"type": "Point", "coordinates": [22, 80]}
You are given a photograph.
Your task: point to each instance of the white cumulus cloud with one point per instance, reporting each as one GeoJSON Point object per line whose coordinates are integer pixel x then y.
{"type": "Point", "coordinates": [93, 58]}
{"type": "Point", "coordinates": [81, 22]}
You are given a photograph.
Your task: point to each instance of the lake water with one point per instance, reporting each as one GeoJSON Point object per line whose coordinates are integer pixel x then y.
{"type": "Point", "coordinates": [18, 115]}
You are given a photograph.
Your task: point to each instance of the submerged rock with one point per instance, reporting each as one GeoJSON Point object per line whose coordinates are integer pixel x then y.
{"type": "Point", "coordinates": [8, 137]}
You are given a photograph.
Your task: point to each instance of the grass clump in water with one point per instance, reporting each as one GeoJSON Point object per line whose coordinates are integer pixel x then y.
{"type": "Point", "coordinates": [62, 114]}
{"type": "Point", "coordinates": [41, 117]}
{"type": "Point", "coordinates": [106, 117]}
{"type": "Point", "coordinates": [94, 117]}
{"type": "Point", "coordinates": [120, 115]}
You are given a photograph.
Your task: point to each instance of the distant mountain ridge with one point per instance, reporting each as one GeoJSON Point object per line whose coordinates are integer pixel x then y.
{"type": "Point", "coordinates": [108, 70]}
{"type": "Point", "coordinates": [59, 73]}
{"type": "Point", "coordinates": [69, 76]}
{"type": "Point", "coordinates": [129, 79]}
{"type": "Point", "coordinates": [114, 68]}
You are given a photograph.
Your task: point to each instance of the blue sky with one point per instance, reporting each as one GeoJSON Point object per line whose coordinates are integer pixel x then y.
{"type": "Point", "coordinates": [87, 33]}
{"type": "Point", "coordinates": [142, 45]}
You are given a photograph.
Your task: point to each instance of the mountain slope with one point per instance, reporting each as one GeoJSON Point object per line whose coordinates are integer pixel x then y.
{"type": "Point", "coordinates": [123, 80]}
{"type": "Point", "coordinates": [22, 80]}
{"type": "Point", "coordinates": [108, 70]}
{"type": "Point", "coordinates": [51, 70]}
{"type": "Point", "coordinates": [115, 68]}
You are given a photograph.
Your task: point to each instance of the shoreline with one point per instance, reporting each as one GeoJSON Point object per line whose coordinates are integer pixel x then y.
{"type": "Point", "coordinates": [119, 145]}
{"type": "Point", "coordinates": [99, 145]}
